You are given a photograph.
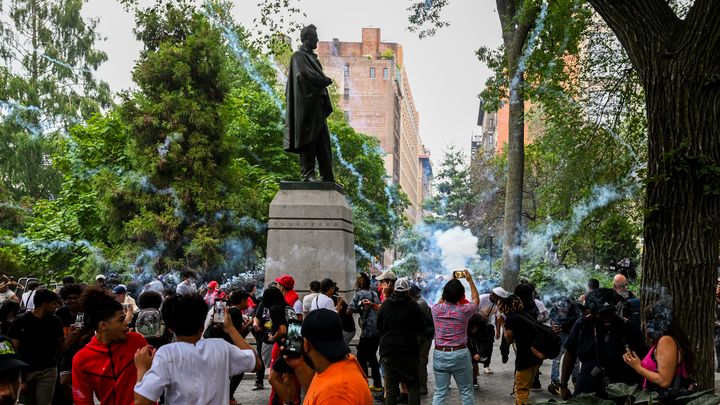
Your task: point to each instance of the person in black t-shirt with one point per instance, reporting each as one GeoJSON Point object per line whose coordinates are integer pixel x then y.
{"type": "Point", "coordinates": [599, 341]}
{"type": "Point", "coordinates": [70, 295]}
{"type": "Point", "coordinates": [518, 329]}
{"type": "Point", "coordinates": [279, 370]}
{"type": "Point", "coordinates": [37, 336]}
{"type": "Point", "coordinates": [76, 337]}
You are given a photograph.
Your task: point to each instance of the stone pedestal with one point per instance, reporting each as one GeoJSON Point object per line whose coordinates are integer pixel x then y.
{"type": "Point", "coordinates": [310, 236]}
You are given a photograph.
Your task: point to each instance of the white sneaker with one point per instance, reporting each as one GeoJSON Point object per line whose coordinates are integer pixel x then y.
{"type": "Point", "coordinates": [487, 370]}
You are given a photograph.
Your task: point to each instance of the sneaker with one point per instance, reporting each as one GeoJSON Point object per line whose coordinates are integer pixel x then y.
{"type": "Point", "coordinates": [504, 359]}
{"type": "Point", "coordinates": [537, 386]}
{"type": "Point", "coordinates": [554, 388]}
{"type": "Point", "coordinates": [258, 387]}
{"type": "Point", "coordinates": [487, 370]}
{"type": "Point", "coordinates": [476, 385]}
{"type": "Point", "coordinates": [375, 389]}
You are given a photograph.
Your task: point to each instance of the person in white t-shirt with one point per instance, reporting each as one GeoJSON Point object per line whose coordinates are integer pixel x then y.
{"type": "Point", "coordinates": [324, 299]}
{"type": "Point", "coordinates": [26, 301]}
{"type": "Point", "coordinates": [488, 309]}
{"type": "Point", "coordinates": [307, 300]}
{"type": "Point", "coordinates": [5, 292]}
{"type": "Point", "coordinates": [191, 370]}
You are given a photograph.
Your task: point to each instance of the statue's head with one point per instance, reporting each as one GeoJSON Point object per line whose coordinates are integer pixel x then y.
{"type": "Point", "coordinates": [309, 37]}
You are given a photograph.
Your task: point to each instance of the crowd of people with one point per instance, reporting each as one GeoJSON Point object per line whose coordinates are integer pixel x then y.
{"type": "Point", "coordinates": [88, 344]}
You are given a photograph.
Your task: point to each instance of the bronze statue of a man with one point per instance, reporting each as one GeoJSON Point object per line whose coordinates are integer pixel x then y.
{"type": "Point", "coordinates": [308, 106]}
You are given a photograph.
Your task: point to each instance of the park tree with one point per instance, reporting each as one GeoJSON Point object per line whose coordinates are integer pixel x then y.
{"type": "Point", "coordinates": [47, 84]}
{"type": "Point", "coordinates": [454, 202]}
{"type": "Point", "coordinates": [178, 196]}
{"type": "Point", "coordinates": [522, 22]}
{"type": "Point", "coordinates": [676, 60]}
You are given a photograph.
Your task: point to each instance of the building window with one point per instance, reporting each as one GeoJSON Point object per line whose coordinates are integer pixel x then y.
{"type": "Point", "coordinates": [372, 72]}
{"type": "Point", "coordinates": [346, 93]}
{"type": "Point", "coordinates": [346, 71]}
{"type": "Point", "coordinates": [347, 115]}
{"type": "Point", "coordinates": [386, 73]}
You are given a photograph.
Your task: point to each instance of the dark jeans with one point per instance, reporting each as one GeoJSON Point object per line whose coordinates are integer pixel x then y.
{"type": "Point", "coordinates": [234, 383]}
{"type": "Point", "coordinates": [366, 355]}
{"type": "Point", "coordinates": [425, 344]}
{"type": "Point", "coordinates": [320, 150]}
{"type": "Point", "coordinates": [260, 375]}
{"type": "Point", "coordinates": [401, 369]}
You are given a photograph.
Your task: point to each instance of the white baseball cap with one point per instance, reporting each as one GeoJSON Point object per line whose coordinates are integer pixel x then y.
{"type": "Point", "coordinates": [500, 292]}
{"type": "Point", "coordinates": [100, 277]}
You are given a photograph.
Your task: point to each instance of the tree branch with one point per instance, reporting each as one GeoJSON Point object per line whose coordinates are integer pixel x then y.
{"type": "Point", "coordinates": [640, 25]}
{"type": "Point", "coordinates": [702, 29]}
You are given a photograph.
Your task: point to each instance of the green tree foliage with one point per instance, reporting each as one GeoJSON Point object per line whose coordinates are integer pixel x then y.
{"type": "Point", "coordinates": [178, 149]}
{"type": "Point", "coordinates": [455, 200]}
{"type": "Point", "coordinates": [46, 80]}
{"type": "Point", "coordinates": [182, 172]}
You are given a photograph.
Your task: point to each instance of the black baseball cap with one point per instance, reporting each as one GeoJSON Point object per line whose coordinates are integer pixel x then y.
{"type": "Point", "coordinates": [9, 360]}
{"type": "Point", "coordinates": [323, 328]}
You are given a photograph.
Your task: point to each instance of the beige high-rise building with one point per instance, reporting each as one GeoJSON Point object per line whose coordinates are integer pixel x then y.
{"type": "Point", "coordinates": [377, 100]}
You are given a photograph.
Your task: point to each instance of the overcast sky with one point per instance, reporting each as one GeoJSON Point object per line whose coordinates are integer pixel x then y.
{"type": "Point", "coordinates": [444, 72]}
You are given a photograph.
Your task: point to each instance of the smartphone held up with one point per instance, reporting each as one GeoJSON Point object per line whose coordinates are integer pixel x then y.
{"type": "Point", "coordinates": [459, 274]}
{"type": "Point", "coordinates": [219, 309]}
{"type": "Point", "coordinates": [293, 340]}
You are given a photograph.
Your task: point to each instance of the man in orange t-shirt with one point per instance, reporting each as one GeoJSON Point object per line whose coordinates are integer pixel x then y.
{"type": "Point", "coordinates": [327, 371]}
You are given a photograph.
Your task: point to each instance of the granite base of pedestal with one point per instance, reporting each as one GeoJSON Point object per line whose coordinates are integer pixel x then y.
{"type": "Point", "coordinates": [310, 236]}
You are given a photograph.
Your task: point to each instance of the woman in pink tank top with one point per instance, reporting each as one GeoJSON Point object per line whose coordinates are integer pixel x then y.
{"type": "Point", "coordinates": [670, 354]}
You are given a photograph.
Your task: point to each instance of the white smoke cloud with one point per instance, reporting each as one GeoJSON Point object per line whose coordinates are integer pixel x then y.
{"type": "Point", "coordinates": [458, 246]}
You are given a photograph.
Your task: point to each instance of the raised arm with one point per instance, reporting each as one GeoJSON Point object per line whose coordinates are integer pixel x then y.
{"type": "Point", "coordinates": [473, 290]}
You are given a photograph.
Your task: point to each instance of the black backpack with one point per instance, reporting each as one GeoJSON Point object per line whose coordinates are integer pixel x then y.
{"type": "Point", "coordinates": [545, 341]}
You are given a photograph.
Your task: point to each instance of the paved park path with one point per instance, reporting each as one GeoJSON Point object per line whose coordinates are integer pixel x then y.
{"type": "Point", "coordinates": [494, 389]}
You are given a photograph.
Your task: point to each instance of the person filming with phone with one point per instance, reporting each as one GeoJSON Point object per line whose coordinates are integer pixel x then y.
{"type": "Point", "coordinates": [328, 373]}
{"type": "Point", "coordinates": [175, 367]}
{"type": "Point", "coordinates": [451, 357]}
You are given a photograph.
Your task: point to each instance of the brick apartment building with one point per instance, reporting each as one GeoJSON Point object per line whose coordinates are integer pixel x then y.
{"type": "Point", "coordinates": [377, 100]}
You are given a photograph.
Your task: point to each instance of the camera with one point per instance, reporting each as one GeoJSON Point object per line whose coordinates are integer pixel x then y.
{"type": "Point", "coordinates": [293, 340]}
{"type": "Point", "coordinates": [219, 311]}
{"type": "Point", "coordinates": [459, 274]}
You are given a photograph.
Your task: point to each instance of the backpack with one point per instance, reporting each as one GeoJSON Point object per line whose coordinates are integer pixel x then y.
{"type": "Point", "coordinates": [545, 341]}
{"type": "Point", "coordinates": [149, 323]}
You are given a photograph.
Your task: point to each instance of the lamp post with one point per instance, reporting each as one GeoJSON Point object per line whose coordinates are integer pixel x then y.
{"type": "Point", "coordinates": [490, 236]}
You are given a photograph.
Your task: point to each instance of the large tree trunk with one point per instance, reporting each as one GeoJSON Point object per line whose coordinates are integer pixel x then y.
{"type": "Point", "coordinates": [516, 21]}
{"type": "Point", "coordinates": [514, 191]}
{"type": "Point", "coordinates": [678, 65]}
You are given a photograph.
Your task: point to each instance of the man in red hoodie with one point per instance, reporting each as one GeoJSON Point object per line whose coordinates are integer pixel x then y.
{"type": "Point", "coordinates": [287, 285]}
{"type": "Point", "coordinates": [105, 367]}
